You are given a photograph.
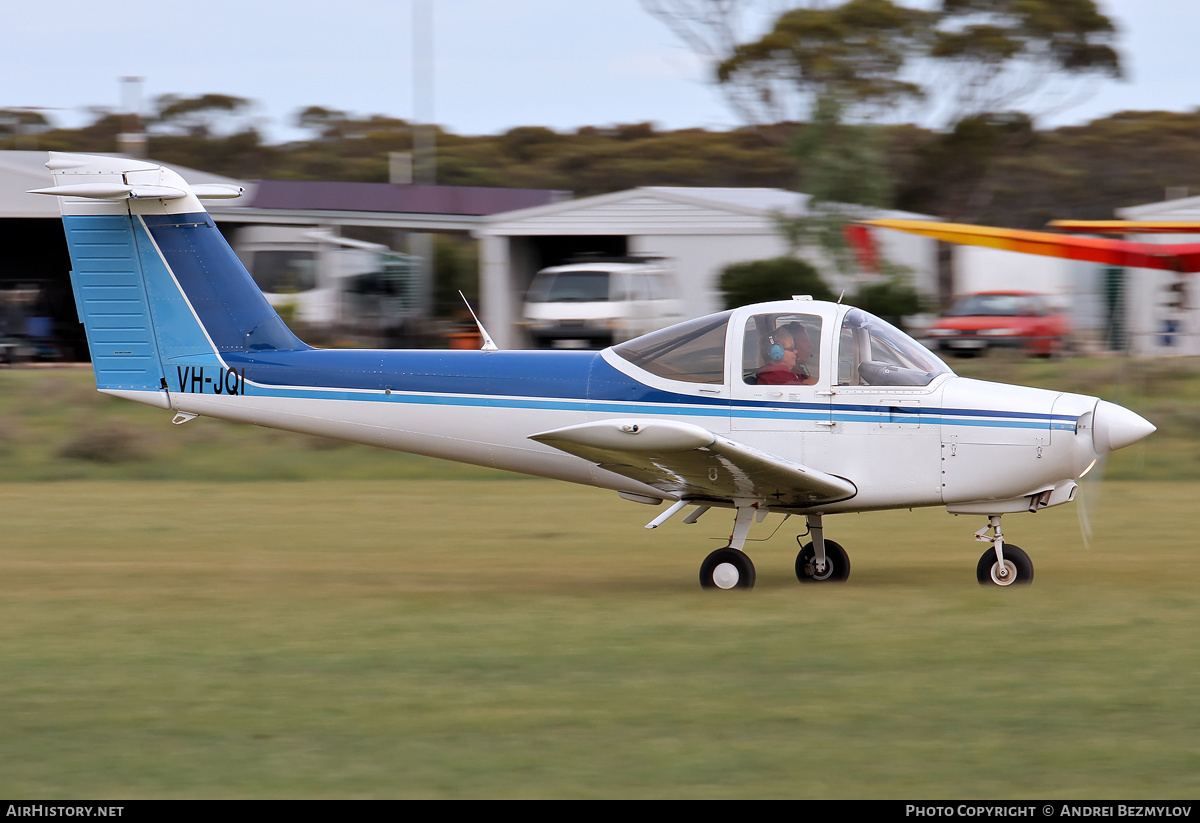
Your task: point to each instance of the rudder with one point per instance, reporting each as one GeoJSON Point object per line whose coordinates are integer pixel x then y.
{"type": "Point", "coordinates": [111, 300]}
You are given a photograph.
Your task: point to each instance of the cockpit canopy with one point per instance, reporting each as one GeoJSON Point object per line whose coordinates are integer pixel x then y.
{"type": "Point", "coordinates": [794, 344]}
{"type": "Point", "coordinates": [692, 351]}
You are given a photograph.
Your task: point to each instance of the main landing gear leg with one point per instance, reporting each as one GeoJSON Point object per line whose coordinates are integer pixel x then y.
{"type": "Point", "coordinates": [817, 530]}
{"type": "Point", "coordinates": [1003, 564]}
{"type": "Point", "coordinates": [821, 561]}
{"type": "Point", "coordinates": [730, 568]}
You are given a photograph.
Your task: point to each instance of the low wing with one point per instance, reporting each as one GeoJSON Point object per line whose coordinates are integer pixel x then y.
{"type": "Point", "coordinates": [1180, 257]}
{"type": "Point", "coordinates": [691, 463]}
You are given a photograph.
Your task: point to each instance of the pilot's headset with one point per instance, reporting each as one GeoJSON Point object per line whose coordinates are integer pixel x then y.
{"type": "Point", "coordinates": [774, 351]}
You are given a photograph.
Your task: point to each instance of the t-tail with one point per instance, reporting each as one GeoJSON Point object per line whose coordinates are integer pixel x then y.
{"type": "Point", "coordinates": [161, 294]}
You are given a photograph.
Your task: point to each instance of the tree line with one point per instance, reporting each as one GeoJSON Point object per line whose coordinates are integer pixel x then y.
{"type": "Point", "coordinates": [1081, 172]}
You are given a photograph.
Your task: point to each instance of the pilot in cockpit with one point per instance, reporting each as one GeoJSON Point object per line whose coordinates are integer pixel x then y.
{"type": "Point", "coordinates": [787, 353]}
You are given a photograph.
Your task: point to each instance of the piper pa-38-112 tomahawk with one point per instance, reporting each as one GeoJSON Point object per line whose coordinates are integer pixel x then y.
{"type": "Point", "coordinates": [797, 407]}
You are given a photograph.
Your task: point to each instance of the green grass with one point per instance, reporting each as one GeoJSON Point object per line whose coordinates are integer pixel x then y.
{"type": "Point", "coordinates": [416, 638]}
{"type": "Point", "coordinates": [401, 627]}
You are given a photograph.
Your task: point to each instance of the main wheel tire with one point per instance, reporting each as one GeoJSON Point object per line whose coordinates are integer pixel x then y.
{"type": "Point", "coordinates": [1019, 567]}
{"type": "Point", "coordinates": [727, 569]}
{"type": "Point", "coordinates": [837, 564]}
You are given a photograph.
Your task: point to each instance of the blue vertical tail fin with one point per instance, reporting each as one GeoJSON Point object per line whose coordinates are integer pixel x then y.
{"type": "Point", "coordinates": [156, 285]}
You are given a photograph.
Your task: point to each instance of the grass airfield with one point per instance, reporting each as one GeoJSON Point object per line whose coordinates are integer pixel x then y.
{"type": "Point", "coordinates": [526, 639]}
{"type": "Point", "coordinates": [426, 630]}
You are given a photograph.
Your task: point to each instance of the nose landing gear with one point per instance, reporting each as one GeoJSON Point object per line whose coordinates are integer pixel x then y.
{"type": "Point", "coordinates": [1003, 564]}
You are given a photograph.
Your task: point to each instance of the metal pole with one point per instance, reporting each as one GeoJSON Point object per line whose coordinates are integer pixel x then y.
{"type": "Point", "coordinates": [424, 137]}
{"type": "Point", "coordinates": [424, 131]}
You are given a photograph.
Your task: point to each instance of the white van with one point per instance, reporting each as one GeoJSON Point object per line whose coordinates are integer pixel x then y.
{"type": "Point", "coordinates": [596, 301]}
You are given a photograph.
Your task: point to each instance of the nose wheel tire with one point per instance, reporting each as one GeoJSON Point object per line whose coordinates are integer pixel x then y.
{"type": "Point", "coordinates": [727, 569]}
{"type": "Point", "coordinates": [1018, 570]}
{"type": "Point", "coordinates": [837, 564]}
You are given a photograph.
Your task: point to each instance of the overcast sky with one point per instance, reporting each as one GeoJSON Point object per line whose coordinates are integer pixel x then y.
{"type": "Point", "coordinates": [497, 63]}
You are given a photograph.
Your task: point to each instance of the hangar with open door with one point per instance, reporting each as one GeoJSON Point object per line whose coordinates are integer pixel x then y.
{"type": "Point", "coordinates": [699, 231]}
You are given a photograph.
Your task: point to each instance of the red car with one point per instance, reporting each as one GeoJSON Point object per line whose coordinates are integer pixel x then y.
{"type": "Point", "coordinates": [1000, 319]}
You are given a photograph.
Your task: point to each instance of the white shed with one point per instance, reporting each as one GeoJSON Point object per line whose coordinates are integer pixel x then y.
{"type": "Point", "coordinates": [1162, 308]}
{"type": "Point", "coordinates": [701, 230]}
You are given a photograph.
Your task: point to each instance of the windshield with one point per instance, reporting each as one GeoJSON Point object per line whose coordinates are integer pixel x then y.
{"type": "Point", "coordinates": [873, 352]}
{"type": "Point", "coordinates": [693, 351]}
{"type": "Point", "coordinates": [570, 287]}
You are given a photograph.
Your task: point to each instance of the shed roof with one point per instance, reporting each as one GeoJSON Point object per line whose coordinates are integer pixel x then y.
{"type": "Point", "coordinates": [665, 210]}
{"type": "Point", "coordinates": [654, 210]}
{"type": "Point", "coordinates": [754, 200]}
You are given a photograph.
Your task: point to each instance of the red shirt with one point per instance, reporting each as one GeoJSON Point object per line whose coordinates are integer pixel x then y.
{"type": "Point", "coordinates": [780, 375]}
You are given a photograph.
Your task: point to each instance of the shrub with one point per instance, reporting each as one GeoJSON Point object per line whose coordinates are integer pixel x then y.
{"type": "Point", "coordinates": [107, 442]}
{"type": "Point", "coordinates": [776, 279]}
{"type": "Point", "coordinates": [892, 299]}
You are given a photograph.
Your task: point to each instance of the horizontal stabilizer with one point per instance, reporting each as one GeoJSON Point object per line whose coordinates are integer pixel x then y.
{"type": "Point", "coordinates": [113, 191]}
{"type": "Point", "coordinates": [217, 191]}
{"type": "Point", "coordinates": [689, 462]}
{"type": "Point", "coordinates": [118, 191]}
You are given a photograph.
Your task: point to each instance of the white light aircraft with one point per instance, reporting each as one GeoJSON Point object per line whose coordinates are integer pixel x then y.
{"type": "Point", "coordinates": [873, 420]}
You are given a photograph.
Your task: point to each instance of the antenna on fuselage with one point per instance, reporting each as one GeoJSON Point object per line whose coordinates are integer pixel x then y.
{"type": "Point", "coordinates": [488, 343]}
